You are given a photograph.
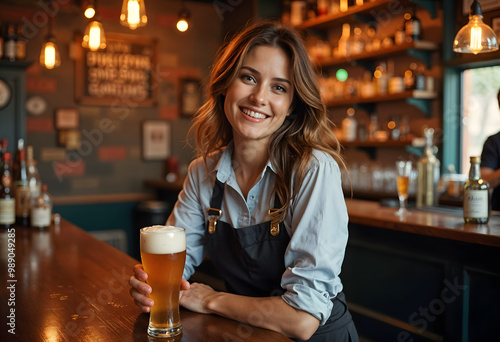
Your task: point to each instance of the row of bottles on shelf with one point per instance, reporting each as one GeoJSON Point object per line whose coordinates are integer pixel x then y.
{"type": "Point", "coordinates": [12, 42]}
{"type": "Point", "coordinates": [356, 40]}
{"type": "Point", "coordinates": [296, 11]}
{"type": "Point", "coordinates": [383, 81]}
{"type": "Point", "coordinates": [24, 200]}
{"type": "Point", "coordinates": [424, 182]}
{"type": "Point", "coordinates": [396, 128]}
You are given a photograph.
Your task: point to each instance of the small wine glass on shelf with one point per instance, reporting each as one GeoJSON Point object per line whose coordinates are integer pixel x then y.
{"type": "Point", "coordinates": [403, 168]}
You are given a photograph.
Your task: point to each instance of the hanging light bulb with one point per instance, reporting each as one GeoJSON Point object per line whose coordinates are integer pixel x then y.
{"type": "Point", "coordinates": [90, 10]}
{"type": "Point", "coordinates": [49, 56]}
{"type": "Point", "coordinates": [94, 38]}
{"type": "Point", "coordinates": [182, 22]}
{"type": "Point", "coordinates": [475, 37]}
{"type": "Point", "coordinates": [133, 14]}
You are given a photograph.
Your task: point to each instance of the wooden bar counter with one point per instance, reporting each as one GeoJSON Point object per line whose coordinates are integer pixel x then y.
{"type": "Point", "coordinates": [425, 277]}
{"type": "Point", "coordinates": [62, 284]}
{"type": "Point", "coordinates": [445, 222]}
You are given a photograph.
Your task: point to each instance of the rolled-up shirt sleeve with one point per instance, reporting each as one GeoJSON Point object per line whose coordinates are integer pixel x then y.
{"type": "Point", "coordinates": [319, 233]}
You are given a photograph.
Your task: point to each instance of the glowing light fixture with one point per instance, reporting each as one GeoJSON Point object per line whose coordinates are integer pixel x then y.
{"type": "Point", "coordinates": [49, 56]}
{"type": "Point", "coordinates": [133, 14]}
{"type": "Point", "coordinates": [90, 10]}
{"type": "Point", "coordinates": [182, 23]}
{"type": "Point", "coordinates": [94, 38]}
{"type": "Point", "coordinates": [475, 37]}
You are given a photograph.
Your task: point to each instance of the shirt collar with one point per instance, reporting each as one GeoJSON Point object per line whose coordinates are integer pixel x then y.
{"type": "Point", "coordinates": [224, 167]}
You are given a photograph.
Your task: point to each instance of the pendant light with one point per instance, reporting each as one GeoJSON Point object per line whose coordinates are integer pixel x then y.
{"type": "Point", "coordinates": [94, 38]}
{"type": "Point", "coordinates": [183, 21]}
{"type": "Point", "coordinates": [49, 56]}
{"type": "Point", "coordinates": [475, 37]}
{"type": "Point", "coordinates": [133, 14]}
{"type": "Point", "coordinates": [90, 9]}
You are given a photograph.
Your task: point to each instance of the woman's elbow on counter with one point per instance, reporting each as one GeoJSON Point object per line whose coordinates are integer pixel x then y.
{"type": "Point", "coordinates": [304, 328]}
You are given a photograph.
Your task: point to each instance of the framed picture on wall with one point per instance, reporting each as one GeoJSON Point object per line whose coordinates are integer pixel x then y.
{"type": "Point", "coordinates": [156, 140]}
{"type": "Point", "coordinates": [66, 118]}
{"type": "Point", "coordinates": [189, 96]}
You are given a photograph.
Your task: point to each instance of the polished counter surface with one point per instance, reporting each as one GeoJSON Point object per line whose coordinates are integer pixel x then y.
{"type": "Point", "coordinates": [438, 222]}
{"type": "Point", "coordinates": [62, 284]}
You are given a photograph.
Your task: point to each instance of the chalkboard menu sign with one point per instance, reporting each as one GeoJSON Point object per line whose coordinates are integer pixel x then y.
{"type": "Point", "coordinates": [121, 74]}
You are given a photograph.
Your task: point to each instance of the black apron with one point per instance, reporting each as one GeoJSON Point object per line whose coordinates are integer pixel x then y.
{"type": "Point", "coordinates": [251, 261]}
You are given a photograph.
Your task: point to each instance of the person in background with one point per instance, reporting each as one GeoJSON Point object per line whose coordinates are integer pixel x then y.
{"type": "Point", "coordinates": [270, 162]}
{"type": "Point", "coordinates": [490, 165]}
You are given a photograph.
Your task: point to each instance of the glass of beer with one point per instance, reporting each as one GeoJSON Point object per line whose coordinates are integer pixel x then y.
{"type": "Point", "coordinates": [163, 254]}
{"type": "Point", "coordinates": [403, 182]}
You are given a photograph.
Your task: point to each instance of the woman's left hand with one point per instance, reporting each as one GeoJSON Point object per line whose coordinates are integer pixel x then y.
{"type": "Point", "coordinates": [197, 297]}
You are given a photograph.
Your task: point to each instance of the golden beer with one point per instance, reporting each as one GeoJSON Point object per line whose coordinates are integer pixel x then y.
{"type": "Point", "coordinates": [163, 254]}
{"type": "Point", "coordinates": [402, 185]}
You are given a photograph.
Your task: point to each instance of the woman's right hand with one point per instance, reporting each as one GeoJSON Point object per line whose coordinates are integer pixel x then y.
{"type": "Point", "coordinates": [139, 289]}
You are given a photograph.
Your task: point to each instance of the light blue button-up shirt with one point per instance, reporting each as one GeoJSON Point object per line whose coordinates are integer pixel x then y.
{"type": "Point", "coordinates": [316, 222]}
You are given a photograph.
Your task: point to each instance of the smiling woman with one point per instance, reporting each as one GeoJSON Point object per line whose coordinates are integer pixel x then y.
{"type": "Point", "coordinates": [264, 200]}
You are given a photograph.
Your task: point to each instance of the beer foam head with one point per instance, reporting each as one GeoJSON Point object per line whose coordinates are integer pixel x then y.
{"type": "Point", "coordinates": [163, 239]}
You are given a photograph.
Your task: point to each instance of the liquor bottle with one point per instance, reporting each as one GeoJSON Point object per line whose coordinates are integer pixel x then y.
{"type": "Point", "coordinates": [322, 7]}
{"type": "Point", "coordinates": [297, 12]}
{"type": "Point", "coordinates": [20, 43]}
{"type": "Point", "coordinates": [35, 184]}
{"type": "Point", "coordinates": [285, 13]}
{"type": "Point", "coordinates": [343, 44]}
{"type": "Point", "coordinates": [343, 5]}
{"type": "Point", "coordinates": [10, 44]}
{"type": "Point", "coordinates": [1, 40]}
{"type": "Point", "coordinates": [21, 190]}
{"type": "Point", "coordinates": [381, 78]}
{"type": "Point", "coordinates": [420, 83]}
{"type": "Point", "coordinates": [412, 26]}
{"type": "Point", "coordinates": [7, 201]}
{"type": "Point", "coordinates": [409, 77]}
{"type": "Point", "coordinates": [373, 126]}
{"type": "Point", "coordinates": [41, 209]}
{"type": "Point", "coordinates": [3, 147]}
{"type": "Point", "coordinates": [334, 7]}
{"type": "Point", "coordinates": [476, 195]}
{"type": "Point", "coordinates": [311, 9]}
{"type": "Point", "coordinates": [349, 126]}
{"type": "Point", "coordinates": [15, 164]}
{"type": "Point", "coordinates": [428, 173]}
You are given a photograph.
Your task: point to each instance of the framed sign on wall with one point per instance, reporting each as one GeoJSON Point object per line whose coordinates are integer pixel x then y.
{"type": "Point", "coordinates": [156, 140]}
{"type": "Point", "coordinates": [121, 74]}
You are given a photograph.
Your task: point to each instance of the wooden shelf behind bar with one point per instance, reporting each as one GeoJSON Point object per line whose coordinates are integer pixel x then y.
{"type": "Point", "coordinates": [411, 94]}
{"type": "Point", "coordinates": [382, 52]}
{"type": "Point", "coordinates": [375, 143]}
{"type": "Point", "coordinates": [358, 13]}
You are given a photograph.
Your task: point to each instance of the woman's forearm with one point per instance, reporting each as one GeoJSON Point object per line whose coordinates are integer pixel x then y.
{"type": "Point", "coordinates": [265, 312]}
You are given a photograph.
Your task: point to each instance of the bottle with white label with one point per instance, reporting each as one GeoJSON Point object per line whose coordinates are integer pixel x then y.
{"type": "Point", "coordinates": [476, 195]}
{"type": "Point", "coordinates": [7, 202]}
{"type": "Point", "coordinates": [41, 209]}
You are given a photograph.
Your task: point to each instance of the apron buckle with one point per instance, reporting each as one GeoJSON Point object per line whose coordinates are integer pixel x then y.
{"type": "Point", "coordinates": [275, 225]}
{"type": "Point", "coordinates": [212, 219]}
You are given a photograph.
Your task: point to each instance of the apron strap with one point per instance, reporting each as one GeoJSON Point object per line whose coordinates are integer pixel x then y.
{"type": "Point", "coordinates": [215, 213]}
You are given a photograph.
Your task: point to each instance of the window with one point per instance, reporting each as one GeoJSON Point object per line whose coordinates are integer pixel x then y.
{"type": "Point", "coordinates": [481, 113]}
